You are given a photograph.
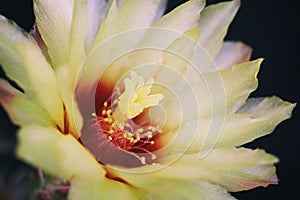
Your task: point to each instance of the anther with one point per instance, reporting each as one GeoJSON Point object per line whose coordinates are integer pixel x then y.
{"type": "Point", "coordinates": [149, 134]}
{"type": "Point", "coordinates": [115, 101]}
{"type": "Point", "coordinates": [105, 104]}
{"type": "Point", "coordinates": [111, 131]}
{"type": "Point", "coordinates": [140, 130]}
{"type": "Point", "coordinates": [143, 160]}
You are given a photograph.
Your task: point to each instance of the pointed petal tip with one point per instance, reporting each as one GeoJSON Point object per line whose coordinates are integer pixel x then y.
{"type": "Point", "coordinates": [270, 157]}
{"type": "Point", "coordinates": [253, 64]}
{"type": "Point", "coordinates": [289, 106]}
{"type": "Point", "coordinates": [202, 3]}
{"type": "Point", "coordinates": [237, 3]}
{"type": "Point", "coordinates": [234, 3]}
{"type": "Point", "coordinates": [259, 60]}
{"type": "Point", "coordinates": [244, 46]}
{"type": "Point", "coordinates": [261, 176]}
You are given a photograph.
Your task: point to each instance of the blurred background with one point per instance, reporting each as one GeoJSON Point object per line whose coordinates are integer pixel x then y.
{"type": "Point", "coordinates": [270, 28]}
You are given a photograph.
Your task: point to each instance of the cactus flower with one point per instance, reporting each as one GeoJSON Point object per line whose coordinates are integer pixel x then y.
{"type": "Point", "coordinates": [122, 102]}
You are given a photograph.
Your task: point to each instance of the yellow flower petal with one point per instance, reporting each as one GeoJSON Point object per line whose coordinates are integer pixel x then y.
{"type": "Point", "coordinates": [58, 154]}
{"type": "Point", "coordinates": [114, 63]}
{"type": "Point", "coordinates": [115, 23]}
{"type": "Point", "coordinates": [178, 190]}
{"type": "Point", "coordinates": [54, 19]}
{"type": "Point", "coordinates": [217, 89]}
{"type": "Point", "coordinates": [240, 82]}
{"type": "Point", "coordinates": [165, 31]}
{"type": "Point", "coordinates": [167, 54]}
{"type": "Point", "coordinates": [157, 185]}
{"type": "Point", "coordinates": [258, 117]}
{"type": "Point", "coordinates": [234, 169]}
{"type": "Point", "coordinates": [66, 46]}
{"type": "Point", "coordinates": [78, 34]}
{"type": "Point", "coordinates": [182, 18]}
{"type": "Point", "coordinates": [107, 189]}
{"type": "Point", "coordinates": [214, 22]}
{"type": "Point", "coordinates": [175, 59]}
{"type": "Point", "coordinates": [74, 120]}
{"type": "Point", "coordinates": [21, 110]}
{"type": "Point", "coordinates": [24, 63]}
{"type": "Point", "coordinates": [68, 23]}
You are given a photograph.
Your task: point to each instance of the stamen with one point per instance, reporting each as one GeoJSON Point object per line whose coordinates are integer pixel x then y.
{"type": "Point", "coordinates": [143, 160]}
{"type": "Point", "coordinates": [126, 135]}
{"type": "Point", "coordinates": [116, 124]}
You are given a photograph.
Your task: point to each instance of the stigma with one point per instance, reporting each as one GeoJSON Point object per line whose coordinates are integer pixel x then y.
{"type": "Point", "coordinates": [135, 98]}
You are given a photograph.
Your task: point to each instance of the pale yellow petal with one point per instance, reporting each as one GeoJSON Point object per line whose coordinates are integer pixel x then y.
{"type": "Point", "coordinates": [116, 37]}
{"type": "Point", "coordinates": [66, 73]}
{"type": "Point", "coordinates": [214, 22]}
{"type": "Point", "coordinates": [67, 90]}
{"type": "Point", "coordinates": [239, 82]}
{"type": "Point", "coordinates": [78, 34]}
{"type": "Point", "coordinates": [182, 18]}
{"type": "Point", "coordinates": [175, 59]}
{"type": "Point", "coordinates": [68, 23]}
{"type": "Point", "coordinates": [162, 186]}
{"type": "Point", "coordinates": [258, 117]}
{"type": "Point", "coordinates": [106, 189]}
{"type": "Point", "coordinates": [58, 154]}
{"type": "Point", "coordinates": [233, 169]}
{"type": "Point", "coordinates": [119, 19]}
{"type": "Point", "coordinates": [165, 31]}
{"type": "Point", "coordinates": [188, 190]}
{"type": "Point", "coordinates": [54, 19]}
{"type": "Point", "coordinates": [21, 110]}
{"type": "Point", "coordinates": [221, 91]}
{"type": "Point", "coordinates": [24, 63]}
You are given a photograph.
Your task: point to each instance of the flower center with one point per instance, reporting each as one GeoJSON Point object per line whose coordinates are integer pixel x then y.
{"type": "Point", "coordinates": [135, 98]}
{"type": "Point", "coordinates": [124, 134]}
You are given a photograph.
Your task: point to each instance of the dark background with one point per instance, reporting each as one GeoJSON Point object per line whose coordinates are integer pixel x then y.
{"type": "Point", "coordinates": [270, 28]}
